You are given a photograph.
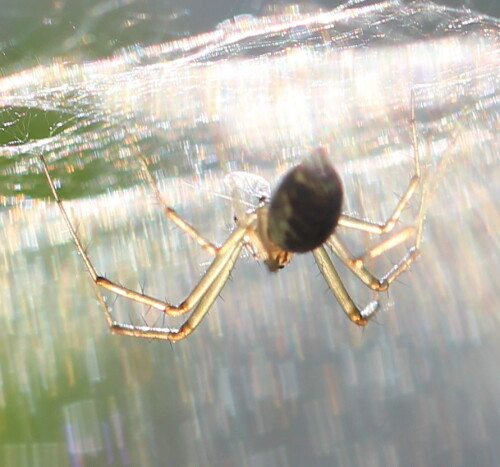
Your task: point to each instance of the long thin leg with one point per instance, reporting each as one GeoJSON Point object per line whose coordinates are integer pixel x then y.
{"type": "Point", "coordinates": [203, 294]}
{"type": "Point", "coordinates": [357, 316]}
{"type": "Point", "coordinates": [364, 225]}
{"type": "Point", "coordinates": [210, 276]}
{"type": "Point", "coordinates": [171, 213]}
{"type": "Point", "coordinates": [357, 264]}
{"type": "Point", "coordinates": [353, 222]}
{"type": "Point", "coordinates": [194, 319]}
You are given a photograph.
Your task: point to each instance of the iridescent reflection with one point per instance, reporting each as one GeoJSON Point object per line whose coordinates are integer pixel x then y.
{"type": "Point", "coordinates": [275, 375]}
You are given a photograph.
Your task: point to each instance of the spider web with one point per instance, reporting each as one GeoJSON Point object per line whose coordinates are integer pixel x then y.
{"type": "Point", "coordinates": [82, 110]}
{"type": "Point", "coordinates": [85, 107]}
{"type": "Point", "coordinates": [252, 95]}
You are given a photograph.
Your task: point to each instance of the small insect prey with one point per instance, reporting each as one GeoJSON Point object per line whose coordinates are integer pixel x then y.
{"type": "Point", "coordinates": [300, 216]}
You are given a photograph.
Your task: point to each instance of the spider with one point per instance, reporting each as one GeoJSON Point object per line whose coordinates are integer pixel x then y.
{"type": "Point", "coordinates": [300, 216]}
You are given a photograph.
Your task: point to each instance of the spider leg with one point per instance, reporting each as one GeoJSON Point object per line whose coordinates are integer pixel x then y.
{"type": "Point", "coordinates": [172, 214]}
{"type": "Point", "coordinates": [76, 240]}
{"type": "Point", "coordinates": [364, 225]}
{"type": "Point", "coordinates": [217, 267]}
{"type": "Point", "coordinates": [212, 291]}
{"type": "Point", "coordinates": [327, 268]}
{"type": "Point", "coordinates": [200, 298]}
{"type": "Point", "coordinates": [379, 228]}
{"type": "Point", "coordinates": [357, 264]}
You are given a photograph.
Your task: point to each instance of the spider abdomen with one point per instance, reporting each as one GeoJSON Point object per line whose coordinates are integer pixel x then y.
{"type": "Point", "coordinates": [305, 208]}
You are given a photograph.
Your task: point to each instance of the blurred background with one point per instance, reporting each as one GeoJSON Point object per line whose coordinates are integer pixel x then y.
{"type": "Point", "coordinates": [275, 375]}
